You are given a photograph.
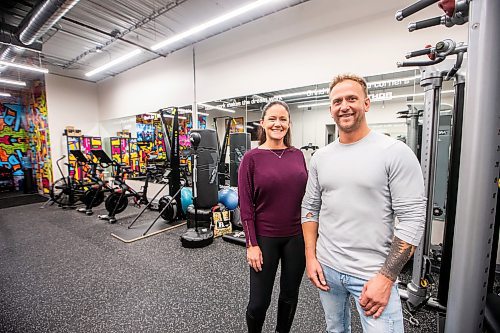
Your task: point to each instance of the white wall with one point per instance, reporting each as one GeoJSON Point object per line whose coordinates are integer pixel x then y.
{"type": "Point", "coordinates": [156, 84]}
{"type": "Point", "coordinates": [69, 103]}
{"type": "Point", "coordinates": [302, 45]}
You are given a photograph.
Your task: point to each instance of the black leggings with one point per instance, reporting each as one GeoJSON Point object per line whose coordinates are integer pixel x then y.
{"type": "Point", "coordinates": [293, 262]}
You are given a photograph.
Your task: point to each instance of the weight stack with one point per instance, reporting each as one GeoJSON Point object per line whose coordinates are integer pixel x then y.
{"type": "Point", "coordinates": [239, 143]}
{"type": "Point", "coordinates": [207, 180]}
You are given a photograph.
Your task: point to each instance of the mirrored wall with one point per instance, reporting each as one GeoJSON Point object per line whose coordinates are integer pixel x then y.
{"type": "Point", "coordinates": [392, 96]}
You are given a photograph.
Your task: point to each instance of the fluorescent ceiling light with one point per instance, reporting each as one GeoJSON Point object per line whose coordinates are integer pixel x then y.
{"type": "Point", "coordinates": [211, 23]}
{"type": "Point", "coordinates": [325, 91]}
{"type": "Point", "coordinates": [27, 67]}
{"type": "Point", "coordinates": [2, 94]}
{"type": "Point", "coordinates": [251, 127]}
{"type": "Point", "coordinates": [445, 92]}
{"type": "Point", "coordinates": [294, 94]}
{"type": "Point", "coordinates": [199, 113]}
{"type": "Point", "coordinates": [114, 62]}
{"type": "Point", "coordinates": [170, 116]}
{"type": "Point", "coordinates": [311, 105]}
{"type": "Point", "coordinates": [310, 92]}
{"type": "Point", "coordinates": [15, 83]}
{"type": "Point", "coordinates": [391, 82]}
{"type": "Point", "coordinates": [210, 107]}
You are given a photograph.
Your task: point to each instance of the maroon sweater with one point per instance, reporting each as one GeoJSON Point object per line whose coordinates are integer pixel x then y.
{"type": "Point", "coordinates": [270, 191]}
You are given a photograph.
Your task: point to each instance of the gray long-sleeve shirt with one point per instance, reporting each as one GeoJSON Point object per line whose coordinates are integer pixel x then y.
{"type": "Point", "coordinates": [353, 192]}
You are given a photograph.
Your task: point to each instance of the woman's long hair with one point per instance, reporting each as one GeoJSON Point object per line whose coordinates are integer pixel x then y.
{"type": "Point", "coordinates": [287, 140]}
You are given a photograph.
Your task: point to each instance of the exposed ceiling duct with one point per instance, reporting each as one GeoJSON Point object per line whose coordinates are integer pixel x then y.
{"type": "Point", "coordinates": [44, 17]}
{"type": "Point", "coordinates": [38, 22]}
{"type": "Point", "coordinates": [81, 36]}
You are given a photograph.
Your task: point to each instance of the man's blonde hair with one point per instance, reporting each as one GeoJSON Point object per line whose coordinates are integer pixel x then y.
{"type": "Point", "coordinates": [353, 77]}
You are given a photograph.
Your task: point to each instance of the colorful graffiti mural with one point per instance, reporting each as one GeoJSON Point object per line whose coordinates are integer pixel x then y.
{"type": "Point", "coordinates": [13, 137]}
{"type": "Point", "coordinates": [85, 144]}
{"type": "Point", "coordinates": [39, 138]}
{"type": "Point", "coordinates": [24, 138]}
{"type": "Point", "coordinates": [91, 143]}
{"type": "Point", "coordinates": [202, 122]}
{"type": "Point", "coordinates": [150, 137]}
{"type": "Point", "coordinates": [127, 151]}
{"type": "Point", "coordinates": [150, 141]}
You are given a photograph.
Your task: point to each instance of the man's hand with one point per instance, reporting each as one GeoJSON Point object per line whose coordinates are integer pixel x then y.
{"type": "Point", "coordinates": [375, 295]}
{"type": "Point", "coordinates": [315, 273]}
{"type": "Point", "coordinates": [254, 258]}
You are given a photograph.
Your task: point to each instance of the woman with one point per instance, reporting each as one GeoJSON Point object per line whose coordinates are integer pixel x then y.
{"type": "Point", "coordinates": [271, 184]}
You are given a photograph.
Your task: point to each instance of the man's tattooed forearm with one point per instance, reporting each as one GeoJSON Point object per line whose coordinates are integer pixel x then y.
{"type": "Point", "coordinates": [399, 254]}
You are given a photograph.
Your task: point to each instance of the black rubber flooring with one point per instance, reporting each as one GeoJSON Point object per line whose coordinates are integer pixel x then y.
{"type": "Point", "coordinates": [14, 199]}
{"type": "Point", "coordinates": [62, 271]}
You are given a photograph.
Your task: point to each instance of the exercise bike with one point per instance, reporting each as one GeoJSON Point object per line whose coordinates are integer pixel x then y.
{"type": "Point", "coordinates": [67, 191]}
{"type": "Point", "coordinates": [95, 193]}
{"type": "Point", "coordinates": [118, 200]}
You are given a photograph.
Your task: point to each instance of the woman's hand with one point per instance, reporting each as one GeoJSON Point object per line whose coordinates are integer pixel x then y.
{"type": "Point", "coordinates": [254, 258]}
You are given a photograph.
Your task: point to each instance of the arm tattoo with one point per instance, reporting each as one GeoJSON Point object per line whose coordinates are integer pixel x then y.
{"type": "Point", "coordinates": [399, 254]}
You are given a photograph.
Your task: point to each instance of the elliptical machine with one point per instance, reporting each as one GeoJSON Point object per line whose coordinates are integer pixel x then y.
{"type": "Point", "coordinates": [196, 237]}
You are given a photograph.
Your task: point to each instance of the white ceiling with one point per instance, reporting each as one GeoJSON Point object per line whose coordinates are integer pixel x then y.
{"type": "Point", "coordinates": [95, 32]}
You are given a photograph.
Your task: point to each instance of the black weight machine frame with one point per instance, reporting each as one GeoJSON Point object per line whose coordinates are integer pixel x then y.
{"type": "Point", "coordinates": [418, 290]}
{"type": "Point", "coordinates": [470, 305]}
{"type": "Point", "coordinates": [221, 163]}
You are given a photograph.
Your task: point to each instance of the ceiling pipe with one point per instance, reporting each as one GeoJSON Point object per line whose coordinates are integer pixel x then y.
{"type": "Point", "coordinates": [44, 16]}
{"type": "Point", "coordinates": [38, 22]}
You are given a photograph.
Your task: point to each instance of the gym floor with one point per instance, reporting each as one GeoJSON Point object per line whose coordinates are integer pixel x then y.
{"type": "Point", "coordinates": [62, 271]}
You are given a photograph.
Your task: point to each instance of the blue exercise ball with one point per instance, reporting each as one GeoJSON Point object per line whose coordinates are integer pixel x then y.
{"type": "Point", "coordinates": [186, 198]}
{"type": "Point", "coordinates": [221, 195]}
{"type": "Point", "coordinates": [228, 198]}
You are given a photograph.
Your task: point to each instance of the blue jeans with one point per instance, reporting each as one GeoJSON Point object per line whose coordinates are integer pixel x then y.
{"type": "Point", "coordinates": [337, 309]}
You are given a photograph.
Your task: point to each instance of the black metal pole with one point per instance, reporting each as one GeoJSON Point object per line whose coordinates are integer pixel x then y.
{"type": "Point", "coordinates": [494, 248]}
{"type": "Point", "coordinates": [451, 196]}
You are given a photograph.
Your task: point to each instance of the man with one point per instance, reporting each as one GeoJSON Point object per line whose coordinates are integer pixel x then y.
{"type": "Point", "coordinates": [356, 185]}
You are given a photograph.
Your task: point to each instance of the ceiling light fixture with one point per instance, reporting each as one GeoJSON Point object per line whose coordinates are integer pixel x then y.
{"type": "Point", "coordinates": [2, 94]}
{"type": "Point", "coordinates": [27, 67]}
{"type": "Point", "coordinates": [390, 83]}
{"type": "Point", "coordinates": [114, 62]}
{"type": "Point", "coordinates": [309, 93]}
{"type": "Point", "coordinates": [15, 83]}
{"type": "Point", "coordinates": [216, 108]}
{"type": "Point", "coordinates": [172, 117]}
{"type": "Point", "coordinates": [199, 112]}
{"type": "Point", "coordinates": [211, 23]}
{"type": "Point", "coordinates": [202, 114]}
{"type": "Point", "coordinates": [303, 106]}
{"type": "Point", "coordinates": [444, 92]}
